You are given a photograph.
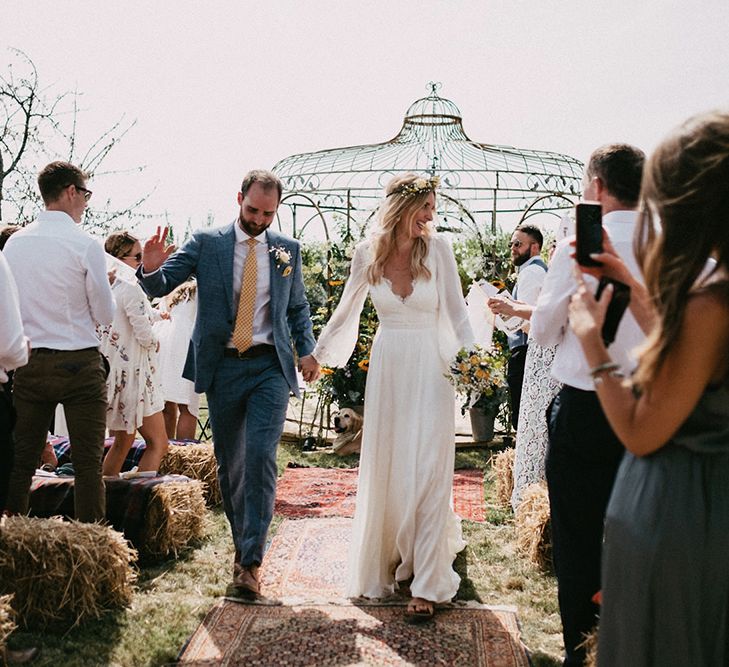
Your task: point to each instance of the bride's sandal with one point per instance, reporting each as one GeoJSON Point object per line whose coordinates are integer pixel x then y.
{"type": "Point", "coordinates": [419, 611]}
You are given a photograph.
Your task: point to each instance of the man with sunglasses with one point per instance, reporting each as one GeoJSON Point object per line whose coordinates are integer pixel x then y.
{"type": "Point", "coordinates": [526, 246]}
{"type": "Point", "coordinates": [63, 292]}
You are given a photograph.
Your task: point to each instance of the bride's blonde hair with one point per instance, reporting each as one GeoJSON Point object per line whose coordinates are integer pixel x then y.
{"type": "Point", "coordinates": [404, 196]}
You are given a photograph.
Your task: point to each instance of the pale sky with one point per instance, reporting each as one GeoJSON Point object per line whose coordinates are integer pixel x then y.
{"type": "Point", "coordinates": [218, 88]}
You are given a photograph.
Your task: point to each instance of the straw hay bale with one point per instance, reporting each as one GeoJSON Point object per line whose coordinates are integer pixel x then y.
{"type": "Point", "coordinates": [63, 572]}
{"type": "Point", "coordinates": [7, 624]}
{"type": "Point", "coordinates": [174, 518]}
{"type": "Point", "coordinates": [533, 528]}
{"type": "Point", "coordinates": [503, 464]}
{"type": "Point", "coordinates": [590, 645]}
{"type": "Point", "coordinates": [196, 461]}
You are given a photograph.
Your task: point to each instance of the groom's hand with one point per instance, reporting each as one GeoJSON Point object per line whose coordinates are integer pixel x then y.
{"type": "Point", "coordinates": [156, 251]}
{"type": "Point", "coordinates": [309, 368]}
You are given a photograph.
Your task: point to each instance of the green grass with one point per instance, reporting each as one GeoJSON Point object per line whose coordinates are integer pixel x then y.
{"type": "Point", "coordinates": [174, 596]}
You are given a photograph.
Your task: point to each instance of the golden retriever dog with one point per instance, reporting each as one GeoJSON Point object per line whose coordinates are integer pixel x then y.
{"type": "Point", "coordinates": [348, 427]}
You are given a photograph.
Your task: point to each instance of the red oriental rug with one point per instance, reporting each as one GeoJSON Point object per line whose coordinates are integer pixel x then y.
{"type": "Point", "coordinates": [317, 635]}
{"type": "Point", "coordinates": [323, 492]}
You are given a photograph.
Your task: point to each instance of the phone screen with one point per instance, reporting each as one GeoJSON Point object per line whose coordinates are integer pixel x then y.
{"type": "Point", "coordinates": [589, 232]}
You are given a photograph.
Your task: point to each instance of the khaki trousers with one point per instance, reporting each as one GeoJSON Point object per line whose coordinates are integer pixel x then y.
{"type": "Point", "coordinates": [77, 380]}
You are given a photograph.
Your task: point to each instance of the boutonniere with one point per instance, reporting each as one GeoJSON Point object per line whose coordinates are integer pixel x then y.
{"type": "Point", "coordinates": [282, 257]}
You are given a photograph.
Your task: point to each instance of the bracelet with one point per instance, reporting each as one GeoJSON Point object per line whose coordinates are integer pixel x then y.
{"type": "Point", "coordinates": [607, 366]}
{"type": "Point", "coordinates": [597, 380]}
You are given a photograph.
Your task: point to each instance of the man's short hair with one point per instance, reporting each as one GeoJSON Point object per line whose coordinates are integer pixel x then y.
{"type": "Point", "coordinates": [6, 231]}
{"type": "Point", "coordinates": [266, 179]}
{"type": "Point", "coordinates": [620, 168]}
{"type": "Point", "coordinates": [56, 177]}
{"type": "Point", "coordinates": [533, 231]}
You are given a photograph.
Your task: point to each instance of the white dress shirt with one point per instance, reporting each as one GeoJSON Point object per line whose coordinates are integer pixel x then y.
{"type": "Point", "coordinates": [262, 325]}
{"type": "Point", "coordinates": [530, 278]}
{"type": "Point", "coordinates": [550, 324]}
{"type": "Point", "coordinates": [62, 283]}
{"type": "Point", "coordinates": [13, 344]}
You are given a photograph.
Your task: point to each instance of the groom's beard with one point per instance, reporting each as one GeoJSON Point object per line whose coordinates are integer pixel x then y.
{"type": "Point", "coordinates": [250, 227]}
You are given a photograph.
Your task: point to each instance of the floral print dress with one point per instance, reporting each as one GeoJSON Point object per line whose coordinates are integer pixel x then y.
{"type": "Point", "coordinates": [133, 387]}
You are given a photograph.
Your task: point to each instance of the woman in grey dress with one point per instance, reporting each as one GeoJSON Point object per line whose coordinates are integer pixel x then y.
{"type": "Point", "coordinates": [665, 588]}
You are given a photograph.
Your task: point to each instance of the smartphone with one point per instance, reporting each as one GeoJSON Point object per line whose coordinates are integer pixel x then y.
{"type": "Point", "coordinates": [588, 219]}
{"type": "Point", "coordinates": [616, 307]}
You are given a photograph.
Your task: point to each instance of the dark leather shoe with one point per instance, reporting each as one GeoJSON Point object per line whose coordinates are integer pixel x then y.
{"type": "Point", "coordinates": [246, 582]}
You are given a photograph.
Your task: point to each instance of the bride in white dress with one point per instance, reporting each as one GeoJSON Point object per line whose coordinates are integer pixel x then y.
{"type": "Point", "coordinates": [404, 524]}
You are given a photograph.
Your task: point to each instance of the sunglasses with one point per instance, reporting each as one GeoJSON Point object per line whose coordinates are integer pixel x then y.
{"type": "Point", "coordinates": [86, 193]}
{"type": "Point", "coordinates": [516, 244]}
{"type": "Point", "coordinates": [136, 257]}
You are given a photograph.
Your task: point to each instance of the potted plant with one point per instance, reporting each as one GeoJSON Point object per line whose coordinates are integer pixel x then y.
{"type": "Point", "coordinates": [479, 377]}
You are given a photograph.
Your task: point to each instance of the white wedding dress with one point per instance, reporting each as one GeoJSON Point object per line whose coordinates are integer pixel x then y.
{"type": "Point", "coordinates": [404, 524]}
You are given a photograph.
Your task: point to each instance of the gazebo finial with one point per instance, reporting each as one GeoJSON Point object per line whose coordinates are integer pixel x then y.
{"type": "Point", "coordinates": [434, 86]}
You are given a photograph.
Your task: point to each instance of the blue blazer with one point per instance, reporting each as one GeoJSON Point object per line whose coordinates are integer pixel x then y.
{"type": "Point", "coordinates": [209, 256]}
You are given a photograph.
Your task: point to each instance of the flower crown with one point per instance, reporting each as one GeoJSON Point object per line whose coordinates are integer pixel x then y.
{"type": "Point", "coordinates": [416, 187]}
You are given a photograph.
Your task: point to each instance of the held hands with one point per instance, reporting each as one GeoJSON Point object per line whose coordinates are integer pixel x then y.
{"type": "Point", "coordinates": [309, 368]}
{"type": "Point", "coordinates": [156, 251]}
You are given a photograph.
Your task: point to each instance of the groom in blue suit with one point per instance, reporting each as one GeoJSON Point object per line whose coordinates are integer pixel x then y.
{"type": "Point", "coordinates": [251, 306]}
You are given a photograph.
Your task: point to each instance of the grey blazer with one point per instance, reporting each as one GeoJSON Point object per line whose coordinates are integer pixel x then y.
{"type": "Point", "coordinates": [209, 256]}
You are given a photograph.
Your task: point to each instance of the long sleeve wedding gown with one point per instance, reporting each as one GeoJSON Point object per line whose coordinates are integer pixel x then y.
{"type": "Point", "coordinates": [404, 524]}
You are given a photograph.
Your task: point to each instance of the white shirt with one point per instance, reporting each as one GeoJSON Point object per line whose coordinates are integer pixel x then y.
{"type": "Point", "coordinates": [550, 324]}
{"type": "Point", "coordinates": [262, 325]}
{"type": "Point", "coordinates": [62, 283]}
{"type": "Point", "coordinates": [13, 344]}
{"type": "Point", "coordinates": [530, 279]}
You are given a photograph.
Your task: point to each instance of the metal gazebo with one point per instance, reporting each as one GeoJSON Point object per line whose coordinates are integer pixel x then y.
{"type": "Point", "coordinates": [480, 183]}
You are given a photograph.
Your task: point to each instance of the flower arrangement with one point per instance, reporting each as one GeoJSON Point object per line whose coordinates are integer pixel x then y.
{"type": "Point", "coordinates": [346, 386]}
{"type": "Point", "coordinates": [479, 377]}
{"type": "Point", "coordinates": [282, 257]}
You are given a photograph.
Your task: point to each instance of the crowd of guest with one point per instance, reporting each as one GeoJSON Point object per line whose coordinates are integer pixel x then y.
{"type": "Point", "coordinates": [77, 332]}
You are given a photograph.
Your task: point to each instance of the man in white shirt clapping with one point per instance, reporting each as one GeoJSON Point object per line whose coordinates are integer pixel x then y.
{"type": "Point", "coordinates": [64, 293]}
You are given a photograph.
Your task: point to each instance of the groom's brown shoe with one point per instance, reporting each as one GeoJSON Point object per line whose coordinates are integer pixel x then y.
{"type": "Point", "coordinates": [246, 583]}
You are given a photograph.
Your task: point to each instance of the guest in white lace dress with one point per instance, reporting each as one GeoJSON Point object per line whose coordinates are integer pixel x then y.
{"type": "Point", "coordinates": [182, 403]}
{"type": "Point", "coordinates": [134, 393]}
{"type": "Point", "coordinates": [404, 524]}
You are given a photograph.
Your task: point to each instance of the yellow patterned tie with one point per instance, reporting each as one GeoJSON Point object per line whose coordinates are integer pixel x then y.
{"type": "Point", "coordinates": [243, 331]}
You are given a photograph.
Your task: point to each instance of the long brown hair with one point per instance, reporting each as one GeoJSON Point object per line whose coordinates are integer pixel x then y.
{"type": "Point", "coordinates": [403, 198]}
{"type": "Point", "coordinates": [686, 191]}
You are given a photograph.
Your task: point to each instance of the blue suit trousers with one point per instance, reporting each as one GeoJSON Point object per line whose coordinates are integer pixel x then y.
{"type": "Point", "coordinates": [247, 401]}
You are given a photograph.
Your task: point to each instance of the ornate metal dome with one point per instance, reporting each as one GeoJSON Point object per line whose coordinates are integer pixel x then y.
{"type": "Point", "coordinates": [479, 182]}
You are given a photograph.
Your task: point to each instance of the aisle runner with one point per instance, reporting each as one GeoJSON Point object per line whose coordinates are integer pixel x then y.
{"type": "Point", "coordinates": [311, 492]}
{"type": "Point", "coordinates": [316, 635]}
{"type": "Point", "coordinates": [305, 567]}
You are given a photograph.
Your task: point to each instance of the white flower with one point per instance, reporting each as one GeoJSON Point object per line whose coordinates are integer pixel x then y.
{"type": "Point", "coordinates": [420, 183]}
{"type": "Point", "coordinates": [284, 257]}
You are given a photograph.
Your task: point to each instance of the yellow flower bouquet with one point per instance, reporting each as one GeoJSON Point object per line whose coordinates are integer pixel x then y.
{"type": "Point", "coordinates": [479, 377]}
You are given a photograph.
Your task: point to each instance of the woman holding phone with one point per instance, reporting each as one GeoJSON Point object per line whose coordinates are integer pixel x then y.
{"type": "Point", "coordinates": [665, 584]}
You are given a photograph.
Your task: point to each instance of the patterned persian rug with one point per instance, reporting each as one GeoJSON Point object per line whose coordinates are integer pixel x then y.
{"type": "Point", "coordinates": [306, 620]}
{"type": "Point", "coordinates": [328, 635]}
{"type": "Point", "coordinates": [322, 492]}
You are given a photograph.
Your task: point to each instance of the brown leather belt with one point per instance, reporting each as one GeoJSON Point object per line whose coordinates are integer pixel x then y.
{"type": "Point", "coordinates": [251, 352]}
